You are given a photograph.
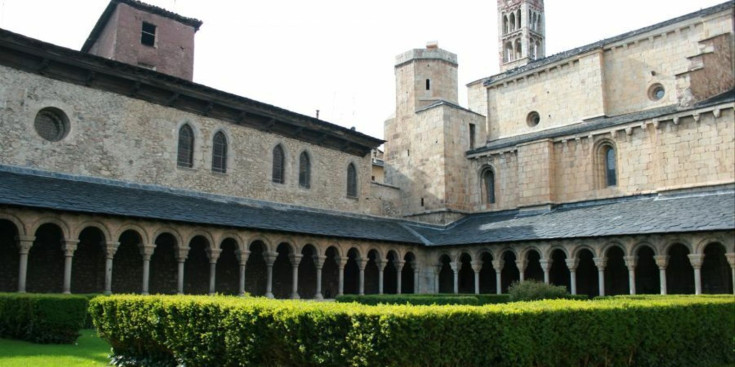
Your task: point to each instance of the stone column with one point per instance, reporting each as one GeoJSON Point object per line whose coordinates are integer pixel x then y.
{"type": "Point", "coordinates": [438, 269]}
{"type": "Point", "coordinates": [696, 261]}
{"type": "Point", "coordinates": [521, 264]}
{"type": "Point", "coordinates": [662, 261]}
{"type": "Point", "coordinates": [545, 265]}
{"type": "Point", "coordinates": [731, 260]}
{"type": "Point", "coordinates": [181, 260]}
{"type": "Point", "coordinates": [270, 259]}
{"type": "Point", "coordinates": [498, 266]}
{"type": "Point", "coordinates": [572, 266]}
{"type": "Point", "coordinates": [362, 263]}
{"type": "Point", "coordinates": [24, 247]}
{"type": "Point", "coordinates": [146, 252]}
{"type": "Point", "coordinates": [243, 257]}
{"type": "Point", "coordinates": [417, 273]}
{"type": "Point", "coordinates": [213, 256]}
{"type": "Point", "coordinates": [600, 263]}
{"type": "Point", "coordinates": [630, 263]}
{"type": "Point", "coordinates": [399, 268]}
{"type": "Point", "coordinates": [295, 261]}
{"type": "Point", "coordinates": [110, 250]}
{"type": "Point", "coordinates": [477, 267]}
{"type": "Point", "coordinates": [341, 266]}
{"type": "Point", "coordinates": [455, 269]}
{"type": "Point", "coordinates": [319, 263]}
{"type": "Point", "coordinates": [381, 268]}
{"type": "Point", "coordinates": [69, 246]}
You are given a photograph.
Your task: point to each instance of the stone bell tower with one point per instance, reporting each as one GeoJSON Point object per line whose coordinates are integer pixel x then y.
{"type": "Point", "coordinates": [521, 33]}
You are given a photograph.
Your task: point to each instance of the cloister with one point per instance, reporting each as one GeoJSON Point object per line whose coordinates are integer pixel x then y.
{"type": "Point", "coordinates": [44, 251]}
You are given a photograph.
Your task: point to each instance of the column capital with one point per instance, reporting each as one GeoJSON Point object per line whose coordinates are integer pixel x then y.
{"type": "Point", "coordinates": [25, 243]}
{"type": "Point", "coordinates": [572, 263]}
{"type": "Point", "coordinates": [362, 263]}
{"type": "Point", "coordinates": [270, 257]}
{"type": "Point", "coordinates": [399, 266]}
{"type": "Point", "coordinates": [69, 246]}
{"type": "Point", "coordinates": [182, 253]}
{"type": "Point", "coordinates": [319, 261]}
{"type": "Point", "coordinates": [454, 265]}
{"type": "Point", "coordinates": [243, 256]}
{"type": "Point", "coordinates": [731, 259]}
{"type": "Point", "coordinates": [295, 259]}
{"type": "Point", "coordinates": [545, 264]}
{"type": "Point", "coordinates": [341, 262]}
{"type": "Point", "coordinates": [498, 265]}
{"type": "Point", "coordinates": [521, 264]}
{"type": "Point", "coordinates": [381, 264]}
{"type": "Point", "coordinates": [476, 266]}
{"type": "Point", "coordinates": [630, 262]}
{"type": "Point", "coordinates": [662, 261]}
{"type": "Point", "coordinates": [696, 260]}
{"type": "Point", "coordinates": [111, 249]}
{"type": "Point", "coordinates": [213, 254]}
{"type": "Point", "coordinates": [600, 262]}
{"type": "Point", "coordinates": [147, 251]}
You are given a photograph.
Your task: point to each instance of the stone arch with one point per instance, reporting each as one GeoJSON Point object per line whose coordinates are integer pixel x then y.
{"type": "Point", "coordinates": [164, 262]}
{"type": "Point", "coordinates": [641, 244]}
{"type": "Point", "coordinates": [647, 278]}
{"type": "Point", "coordinates": [142, 233]}
{"type": "Point", "coordinates": [716, 272]}
{"type": "Point", "coordinates": [488, 277]}
{"type": "Point", "coordinates": [390, 272]}
{"type": "Point", "coordinates": [100, 226]}
{"type": "Point", "coordinates": [179, 246]}
{"type": "Point", "coordinates": [699, 246]}
{"type": "Point", "coordinates": [331, 272]}
{"type": "Point", "coordinates": [679, 271]}
{"type": "Point", "coordinates": [581, 247]}
{"type": "Point", "coordinates": [616, 271]}
{"type": "Point", "coordinates": [466, 275]}
{"type": "Point", "coordinates": [20, 225]}
{"type": "Point", "coordinates": [408, 273]}
{"type": "Point", "coordinates": [211, 243]}
{"type": "Point", "coordinates": [46, 257]}
{"type": "Point", "coordinates": [510, 272]}
{"type": "Point", "coordinates": [533, 270]}
{"type": "Point", "coordinates": [256, 277]}
{"type": "Point", "coordinates": [235, 237]}
{"type": "Point", "coordinates": [9, 254]}
{"type": "Point", "coordinates": [88, 263]}
{"type": "Point", "coordinates": [558, 271]}
{"type": "Point", "coordinates": [62, 224]}
{"type": "Point", "coordinates": [283, 270]}
{"type": "Point", "coordinates": [127, 265]}
{"type": "Point", "coordinates": [375, 260]}
{"type": "Point", "coordinates": [263, 241]}
{"type": "Point", "coordinates": [307, 271]}
{"type": "Point", "coordinates": [586, 272]}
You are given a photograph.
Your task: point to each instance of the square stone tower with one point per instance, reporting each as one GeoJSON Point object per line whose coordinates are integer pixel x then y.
{"type": "Point", "coordinates": [429, 135]}
{"type": "Point", "coordinates": [521, 32]}
{"type": "Point", "coordinates": [143, 35]}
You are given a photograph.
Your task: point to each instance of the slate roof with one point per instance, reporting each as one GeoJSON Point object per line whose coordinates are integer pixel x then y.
{"type": "Point", "coordinates": [601, 123]}
{"type": "Point", "coordinates": [647, 214]}
{"type": "Point", "coordinates": [600, 44]}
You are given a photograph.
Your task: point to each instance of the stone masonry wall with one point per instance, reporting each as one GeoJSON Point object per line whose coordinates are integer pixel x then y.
{"type": "Point", "coordinates": [117, 137]}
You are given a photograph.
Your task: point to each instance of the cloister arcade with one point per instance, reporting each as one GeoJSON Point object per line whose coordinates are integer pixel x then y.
{"type": "Point", "coordinates": [75, 253]}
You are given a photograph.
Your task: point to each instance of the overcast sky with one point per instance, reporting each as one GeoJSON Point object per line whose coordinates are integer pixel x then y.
{"type": "Point", "coordinates": [338, 55]}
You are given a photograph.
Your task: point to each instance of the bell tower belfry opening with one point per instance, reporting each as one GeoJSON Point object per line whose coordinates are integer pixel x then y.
{"type": "Point", "coordinates": [521, 32]}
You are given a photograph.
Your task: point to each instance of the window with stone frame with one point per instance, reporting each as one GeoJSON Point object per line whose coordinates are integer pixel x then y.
{"type": "Point", "coordinates": [185, 157]}
{"type": "Point", "coordinates": [219, 153]}
{"type": "Point", "coordinates": [606, 164]}
{"type": "Point", "coordinates": [278, 175]}
{"type": "Point", "coordinates": [488, 185]}
{"type": "Point", "coordinates": [351, 181]}
{"type": "Point", "coordinates": [304, 170]}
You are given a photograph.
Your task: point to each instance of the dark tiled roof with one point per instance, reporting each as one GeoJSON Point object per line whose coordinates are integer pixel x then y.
{"type": "Point", "coordinates": [19, 187]}
{"type": "Point", "coordinates": [686, 212]}
{"type": "Point", "coordinates": [600, 123]}
{"type": "Point", "coordinates": [600, 44]}
{"type": "Point", "coordinates": [105, 17]}
{"type": "Point", "coordinates": [648, 214]}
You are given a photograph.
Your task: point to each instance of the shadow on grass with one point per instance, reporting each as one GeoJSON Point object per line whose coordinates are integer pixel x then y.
{"type": "Point", "coordinates": [89, 350]}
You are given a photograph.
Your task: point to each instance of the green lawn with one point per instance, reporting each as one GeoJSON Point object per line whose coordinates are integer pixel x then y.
{"type": "Point", "coordinates": [89, 350]}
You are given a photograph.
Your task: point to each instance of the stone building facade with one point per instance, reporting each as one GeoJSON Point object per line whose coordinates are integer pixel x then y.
{"type": "Point", "coordinates": [608, 169]}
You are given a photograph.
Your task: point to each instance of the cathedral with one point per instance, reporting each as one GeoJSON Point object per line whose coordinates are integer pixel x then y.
{"type": "Point", "coordinates": [608, 169]}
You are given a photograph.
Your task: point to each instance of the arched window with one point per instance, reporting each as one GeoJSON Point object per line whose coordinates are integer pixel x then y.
{"type": "Point", "coordinates": [508, 51]}
{"type": "Point", "coordinates": [351, 181]}
{"type": "Point", "coordinates": [304, 170]}
{"type": "Point", "coordinates": [278, 165]}
{"type": "Point", "coordinates": [488, 183]}
{"type": "Point", "coordinates": [219, 153]}
{"type": "Point", "coordinates": [186, 147]}
{"type": "Point", "coordinates": [505, 24]}
{"type": "Point", "coordinates": [610, 166]}
{"type": "Point", "coordinates": [518, 50]}
{"type": "Point", "coordinates": [512, 21]}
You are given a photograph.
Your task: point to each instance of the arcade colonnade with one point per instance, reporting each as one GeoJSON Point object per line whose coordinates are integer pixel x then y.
{"type": "Point", "coordinates": [42, 251]}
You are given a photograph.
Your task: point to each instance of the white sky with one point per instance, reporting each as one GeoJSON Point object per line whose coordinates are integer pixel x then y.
{"type": "Point", "coordinates": [337, 55]}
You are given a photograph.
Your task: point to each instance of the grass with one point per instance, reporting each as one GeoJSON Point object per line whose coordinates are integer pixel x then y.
{"type": "Point", "coordinates": [89, 350]}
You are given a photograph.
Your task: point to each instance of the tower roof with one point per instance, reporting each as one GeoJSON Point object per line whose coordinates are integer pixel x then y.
{"type": "Point", "coordinates": [431, 52]}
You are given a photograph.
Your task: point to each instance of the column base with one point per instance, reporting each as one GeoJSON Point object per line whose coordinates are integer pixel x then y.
{"type": "Point", "coordinates": [269, 295]}
{"type": "Point", "coordinates": [319, 296]}
{"type": "Point", "coordinates": [295, 296]}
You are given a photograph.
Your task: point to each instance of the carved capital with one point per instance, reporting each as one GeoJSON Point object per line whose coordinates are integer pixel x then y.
{"type": "Point", "coordinates": [69, 246]}
{"type": "Point", "coordinates": [213, 255]}
{"type": "Point", "coordinates": [731, 259]}
{"type": "Point", "coordinates": [545, 264]}
{"type": "Point", "coordinates": [476, 266]}
{"type": "Point", "coordinates": [696, 260]}
{"type": "Point", "coordinates": [498, 265]}
{"type": "Point", "coordinates": [600, 263]}
{"type": "Point", "coordinates": [182, 254]}
{"type": "Point", "coordinates": [630, 262]}
{"type": "Point", "coordinates": [111, 249]}
{"type": "Point", "coordinates": [399, 266]}
{"type": "Point", "coordinates": [572, 264]}
{"type": "Point", "coordinates": [295, 259]}
{"type": "Point", "coordinates": [521, 264]}
{"type": "Point", "coordinates": [25, 243]}
{"type": "Point", "coordinates": [319, 261]}
{"type": "Point", "coordinates": [362, 263]}
{"type": "Point", "coordinates": [662, 261]}
{"type": "Point", "coordinates": [270, 257]}
{"type": "Point", "coordinates": [243, 256]}
{"type": "Point", "coordinates": [147, 251]}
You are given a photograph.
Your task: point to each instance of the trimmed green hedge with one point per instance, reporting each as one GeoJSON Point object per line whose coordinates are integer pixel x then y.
{"type": "Point", "coordinates": [42, 318]}
{"type": "Point", "coordinates": [230, 331]}
{"type": "Point", "coordinates": [410, 299]}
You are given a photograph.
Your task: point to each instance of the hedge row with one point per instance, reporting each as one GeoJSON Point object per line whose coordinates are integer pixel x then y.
{"type": "Point", "coordinates": [42, 318]}
{"type": "Point", "coordinates": [424, 299]}
{"type": "Point", "coordinates": [229, 331]}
